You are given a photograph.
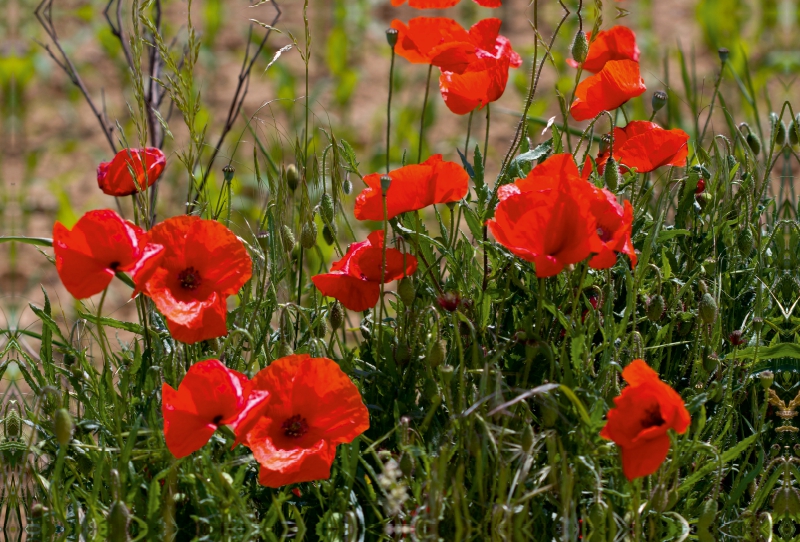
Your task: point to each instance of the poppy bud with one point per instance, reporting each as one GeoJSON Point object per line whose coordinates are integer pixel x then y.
{"type": "Point", "coordinates": [326, 208]}
{"type": "Point", "coordinates": [723, 54]}
{"type": "Point", "coordinates": [659, 100]}
{"type": "Point", "coordinates": [766, 378]}
{"type": "Point", "coordinates": [753, 142]}
{"type": "Point", "coordinates": [347, 186]}
{"type": "Point", "coordinates": [637, 346]}
{"type": "Point", "coordinates": [611, 174]}
{"type": "Point", "coordinates": [118, 520]}
{"type": "Point", "coordinates": [744, 241]}
{"type": "Point", "coordinates": [405, 289]}
{"type": "Point", "coordinates": [707, 308]}
{"type": "Point", "coordinates": [580, 47]}
{"type": "Point", "coordinates": [386, 182]}
{"type": "Point", "coordinates": [527, 438]}
{"type": "Point", "coordinates": [659, 499]}
{"type": "Point", "coordinates": [64, 426]}
{"type": "Point", "coordinates": [284, 349]}
{"type": "Point", "coordinates": [715, 391]}
{"type": "Point", "coordinates": [407, 465]}
{"type": "Point", "coordinates": [13, 424]}
{"type": "Point", "coordinates": [732, 161]}
{"type": "Point", "coordinates": [430, 390]}
{"type": "Point", "coordinates": [308, 235]}
{"type": "Point", "coordinates": [321, 329]}
{"type": "Point", "coordinates": [329, 234]}
{"type": "Point", "coordinates": [292, 177]}
{"type": "Point", "coordinates": [364, 328]}
{"type": "Point", "coordinates": [598, 514]}
{"type": "Point", "coordinates": [672, 498]}
{"type": "Point", "coordinates": [707, 513]}
{"type": "Point", "coordinates": [794, 131]}
{"type": "Point", "coordinates": [336, 315]}
{"type": "Point", "coordinates": [391, 37]}
{"type": "Point", "coordinates": [655, 308]}
{"type": "Point", "coordinates": [227, 173]}
{"type": "Point", "coordinates": [549, 413]}
{"type": "Point", "coordinates": [287, 238]}
{"type": "Point", "coordinates": [780, 134]}
{"type": "Point", "coordinates": [436, 354]}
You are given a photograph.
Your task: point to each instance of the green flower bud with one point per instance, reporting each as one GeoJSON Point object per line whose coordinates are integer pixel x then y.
{"type": "Point", "coordinates": [64, 426]}
{"type": "Point", "coordinates": [794, 131]}
{"type": "Point", "coordinates": [436, 354]}
{"type": "Point", "coordinates": [744, 242]}
{"type": "Point", "coordinates": [292, 177]}
{"type": "Point", "coordinates": [707, 308]}
{"type": "Point", "coordinates": [326, 208]}
{"type": "Point", "coordinates": [321, 329]}
{"type": "Point", "coordinates": [598, 518]}
{"type": "Point", "coordinates": [732, 161]}
{"type": "Point", "coordinates": [549, 412]}
{"type": "Point", "coordinates": [707, 514]}
{"type": "Point", "coordinates": [655, 308]}
{"type": "Point", "coordinates": [308, 235]}
{"type": "Point", "coordinates": [407, 465]}
{"type": "Point", "coordinates": [329, 234]}
{"type": "Point", "coordinates": [659, 100]}
{"type": "Point", "coordinates": [580, 47]}
{"type": "Point", "coordinates": [637, 346]}
{"type": "Point", "coordinates": [118, 520]}
{"type": "Point", "coordinates": [347, 186]}
{"type": "Point", "coordinates": [527, 438]}
{"type": "Point", "coordinates": [405, 289]}
{"type": "Point", "coordinates": [284, 349]}
{"type": "Point", "coordinates": [753, 142]}
{"type": "Point", "coordinates": [659, 499]}
{"type": "Point", "coordinates": [13, 424]}
{"type": "Point", "coordinates": [766, 378]}
{"type": "Point", "coordinates": [287, 238]}
{"type": "Point", "coordinates": [336, 315]}
{"type": "Point", "coordinates": [611, 174]}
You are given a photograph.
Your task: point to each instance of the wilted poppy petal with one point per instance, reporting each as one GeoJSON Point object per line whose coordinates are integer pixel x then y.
{"type": "Point", "coordinates": [615, 84]}
{"type": "Point", "coordinates": [114, 178]}
{"type": "Point", "coordinates": [616, 43]}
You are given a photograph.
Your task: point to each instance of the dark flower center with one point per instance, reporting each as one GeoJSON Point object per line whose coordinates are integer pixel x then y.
{"type": "Point", "coordinates": [190, 278]}
{"type": "Point", "coordinates": [652, 417]}
{"type": "Point", "coordinates": [295, 427]}
{"type": "Point", "coordinates": [605, 236]}
{"type": "Point", "coordinates": [217, 419]}
{"type": "Point", "coordinates": [113, 265]}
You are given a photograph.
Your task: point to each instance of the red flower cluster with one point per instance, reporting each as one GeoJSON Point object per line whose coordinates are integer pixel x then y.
{"type": "Point", "coordinates": [616, 43]}
{"type": "Point", "coordinates": [292, 414]}
{"type": "Point", "coordinates": [114, 178]}
{"type": "Point", "coordinates": [554, 218]}
{"type": "Point", "coordinates": [355, 280]}
{"type": "Point", "coordinates": [646, 146]}
{"type": "Point", "coordinates": [641, 416]}
{"type": "Point", "coordinates": [474, 65]}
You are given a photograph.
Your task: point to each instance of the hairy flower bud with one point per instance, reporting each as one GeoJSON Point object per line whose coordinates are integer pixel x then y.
{"type": "Point", "coordinates": [659, 100]}
{"type": "Point", "coordinates": [64, 426]}
{"type": "Point", "coordinates": [611, 174]}
{"type": "Point", "coordinates": [326, 208]}
{"type": "Point", "coordinates": [308, 235]}
{"type": "Point", "coordinates": [347, 187]}
{"type": "Point", "coordinates": [436, 354]}
{"type": "Point", "coordinates": [744, 242]}
{"type": "Point", "coordinates": [405, 289]}
{"type": "Point", "coordinates": [655, 308]}
{"type": "Point", "coordinates": [287, 238]}
{"type": "Point", "coordinates": [580, 47]}
{"type": "Point", "coordinates": [329, 234]}
{"type": "Point", "coordinates": [707, 308]}
{"type": "Point", "coordinates": [794, 131]}
{"type": "Point", "coordinates": [336, 315]}
{"type": "Point", "coordinates": [753, 142]}
{"type": "Point", "coordinates": [118, 520]}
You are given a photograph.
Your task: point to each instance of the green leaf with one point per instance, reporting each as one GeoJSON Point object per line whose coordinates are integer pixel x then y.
{"type": "Point", "coordinates": [709, 467]}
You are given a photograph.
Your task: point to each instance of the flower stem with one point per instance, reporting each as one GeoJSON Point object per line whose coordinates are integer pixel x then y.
{"type": "Point", "coordinates": [422, 117]}
{"type": "Point", "coordinates": [469, 129]}
{"type": "Point", "coordinates": [389, 111]}
{"type": "Point", "coordinates": [383, 274]}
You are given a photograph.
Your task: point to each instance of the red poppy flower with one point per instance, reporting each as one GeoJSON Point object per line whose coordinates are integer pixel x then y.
{"type": "Point", "coordinates": [439, 4]}
{"type": "Point", "coordinates": [312, 407]}
{"type": "Point", "coordinates": [542, 177]}
{"type": "Point", "coordinates": [413, 187]}
{"type": "Point", "coordinates": [482, 82]}
{"type": "Point", "coordinates": [552, 225]}
{"type": "Point", "coordinates": [205, 263]}
{"type": "Point", "coordinates": [641, 416]}
{"type": "Point", "coordinates": [418, 42]}
{"type": "Point", "coordinates": [209, 395]}
{"type": "Point", "coordinates": [615, 84]}
{"type": "Point", "coordinates": [646, 146]}
{"type": "Point", "coordinates": [614, 222]}
{"type": "Point", "coordinates": [616, 43]}
{"type": "Point", "coordinates": [100, 244]}
{"type": "Point", "coordinates": [355, 280]}
{"type": "Point", "coordinates": [114, 177]}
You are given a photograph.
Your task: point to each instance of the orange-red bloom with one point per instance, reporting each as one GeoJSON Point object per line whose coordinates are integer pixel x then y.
{"type": "Point", "coordinates": [100, 244]}
{"type": "Point", "coordinates": [615, 84]}
{"type": "Point", "coordinates": [439, 4]}
{"type": "Point", "coordinates": [641, 416]}
{"type": "Point", "coordinates": [419, 41]}
{"type": "Point", "coordinates": [114, 178]}
{"type": "Point", "coordinates": [203, 265]}
{"type": "Point", "coordinates": [614, 223]}
{"type": "Point", "coordinates": [413, 187]}
{"type": "Point", "coordinates": [312, 407]}
{"type": "Point", "coordinates": [210, 395]}
{"type": "Point", "coordinates": [355, 280]}
{"type": "Point", "coordinates": [646, 146]}
{"type": "Point", "coordinates": [616, 43]}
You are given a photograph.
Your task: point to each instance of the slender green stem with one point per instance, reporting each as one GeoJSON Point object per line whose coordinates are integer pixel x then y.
{"type": "Point", "coordinates": [486, 136]}
{"type": "Point", "coordinates": [469, 129]}
{"type": "Point", "coordinates": [422, 117]}
{"type": "Point", "coordinates": [100, 332]}
{"type": "Point", "coordinates": [713, 100]}
{"type": "Point", "coordinates": [637, 519]}
{"type": "Point", "coordinates": [299, 294]}
{"type": "Point", "coordinates": [389, 112]}
{"type": "Point", "coordinates": [383, 275]}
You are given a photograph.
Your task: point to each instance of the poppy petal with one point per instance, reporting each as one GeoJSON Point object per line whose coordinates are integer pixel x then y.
{"type": "Point", "coordinates": [224, 263]}
{"type": "Point", "coordinates": [646, 458]}
{"type": "Point", "coordinates": [355, 294]}
{"type": "Point", "coordinates": [114, 178]}
{"type": "Point", "coordinates": [184, 431]}
{"type": "Point", "coordinates": [615, 84]}
{"type": "Point", "coordinates": [417, 41]}
{"type": "Point", "coordinates": [616, 43]}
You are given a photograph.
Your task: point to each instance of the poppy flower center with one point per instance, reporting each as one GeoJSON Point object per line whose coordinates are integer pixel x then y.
{"type": "Point", "coordinates": [652, 417]}
{"type": "Point", "coordinates": [605, 236]}
{"type": "Point", "coordinates": [217, 419]}
{"type": "Point", "coordinates": [113, 265]}
{"type": "Point", "coordinates": [295, 426]}
{"type": "Point", "coordinates": [190, 278]}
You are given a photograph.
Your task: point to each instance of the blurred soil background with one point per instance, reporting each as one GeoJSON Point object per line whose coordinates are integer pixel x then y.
{"type": "Point", "coordinates": [51, 144]}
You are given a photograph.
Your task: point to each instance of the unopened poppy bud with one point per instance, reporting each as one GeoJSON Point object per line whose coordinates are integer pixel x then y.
{"type": "Point", "coordinates": [723, 54]}
{"type": "Point", "coordinates": [64, 426]}
{"type": "Point", "coordinates": [326, 208]}
{"type": "Point", "coordinates": [527, 438]}
{"type": "Point", "coordinates": [386, 182]}
{"type": "Point", "coordinates": [227, 173]}
{"type": "Point", "coordinates": [287, 238]}
{"type": "Point", "coordinates": [407, 465]}
{"type": "Point", "coordinates": [436, 354]}
{"type": "Point", "coordinates": [598, 514]}
{"type": "Point", "coordinates": [329, 234]}
{"type": "Point", "coordinates": [732, 161]}
{"type": "Point", "coordinates": [292, 177]}
{"type": "Point", "coordinates": [780, 134]}
{"type": "Point", "coordinates": [336, 315]}
{"type": "Point", "coordinates": [659, 499]}
{"type": "Point", "coordinates": [549, 413]}
{"type": "Point", "coordinates": [308, 235]}
{"type": "Point", "coordinates": [405, 289]}
{"type": "Point", "coordinates": [118, 521]}
{"type": "Point", "coordinates": [284, 349]}
{"type": "Point", "coordinates": [347, 187]}
{"type": "Point", "coordinates": [655, 309]}
{"type": "Point", "coordinates": [13, 424]}
{"type": "Point", "coordinates": [744, 242]}
{"type": "Point", "coordinates": [707, 514]}
{"type": "Point", "coordinates": [659, 100]}
{"type": "Point", "coordinates": [794, 131]}
{"type": "Point", "coordinates": [321, 329]}
{"type": "Point", "coordinates": [364, 327]}
{"type": "Point", "coordinates": [391, 37]}
{"type": "Point", "coordinates": [753, 142]}
{"type": "Point", "coordinates": [766, 378]}
{"type": "Point", "coordinates": [707, 308]}
{"type": "Point", "coordinates": [611, 174]}
{"type": "Point", "coordinates": [580, 47]}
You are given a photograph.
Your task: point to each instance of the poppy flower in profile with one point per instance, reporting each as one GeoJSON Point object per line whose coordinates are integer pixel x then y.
{"type": "Point", "coordinates": [616, 43]}
{"type": "Point", "coordinates": [204, 264]}
{"type": "Point", "coordinates": [615, 84]}
{"type": "Point", "coordinates": [439, 4]}
{"type": "Point", "coordinates": [99, 245]}
{"type": "Point", "coordinates": [312, 407]}
{"type": "Point", "coordinates": [210, 395]}
{"type": "Point", "coordinates": [413, 187]}
{"type": "Point", "coordinates": [552, 226]}
{"type": "Point", "coordinates": [646, 146]}
{"type": "Point", "coordinates": [641, 416]}
{"type": "Point", "coordinates": [355, 280]}
{"type": "Point", "coordinates": [614, 224]}
{"type": "Point", "coordinates": [114, 178]}
{"type": "Point", "coordinates": [480, 83]}
{"type": "Point", "coordinates": [418, 42]}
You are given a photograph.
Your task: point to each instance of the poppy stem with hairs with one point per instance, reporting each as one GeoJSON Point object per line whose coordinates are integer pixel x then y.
{"type": "Point", "coordinates": [469, 130]}
{"type": "Point", "coordinates": [389, 101]}
{"type": "Point", "coordinates": [713, 99]}
{"type": "Point", "coordinates": [299, 294]}
{"type": "Point", "coordinates": [100, 332]}
{"type": "Point", "coordinates": [486, 136]}
{"type": "Point", "coordinates": [422, 117]}
{"type": "Point", "coordinates": [384, 190]}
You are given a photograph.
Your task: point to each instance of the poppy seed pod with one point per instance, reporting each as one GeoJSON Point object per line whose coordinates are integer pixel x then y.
{"type": "Point", "coordinates": [308, 235]}
{"type": "Point", "coordinates": [707, 308]}
{"type": "Point", "coordinates": [391, 37]}
{"type": "Point", "coordinates": [386, 182]}
{"type": "Point", "coordinates": [336, 315]}
{"type": "Point", "coordinates": [723, 54]}
{"type": "Point", "coordinates": [118, 521]}
{"type": "Point", "coordinates": [580, 47]}
{"type": "Point", "coordinates": [659, 100]}
{"type": "Point", "coordinates": [766, 378]}
{"type": "Point", "coordinates": [405, 289]}
{"type": "Point", "coordinates": [611, 174]}
{"type": "Point", "coordinates": [326, 208]}
{"type": "Point", "coordinates": [753, 142]}
{"type": "Point", "coordinates": [64, 426]}
{"type": "Point", "coordinates": [227, 173]}
{"type": "Point", "coordinates": [292, 177]}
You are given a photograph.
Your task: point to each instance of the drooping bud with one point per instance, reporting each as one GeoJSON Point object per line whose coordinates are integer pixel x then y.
{"type": "Point", "coordinates": [436, 354]}
{"type": "Point", "coordinates": [707, 308]}
{"type": "Point", "coordinates": [347, 187]}
{"type": "Point", "coordinates": [287, 238]}
{"type": "Point", "coordinates": [580, 47]}
{"type": "Point", "coordinates": [391, 37]}
{"type": "Point", "coordinates": [308, 235]}
{"type": "Point", "coordinates": [766, 378]}
{"type": "Point", "coordinates": [723, 54]}
{"type": "Point", "coordinates": [64, 426]}
{"type": "Point", "coordinates": [407, 465]}
{"type": "Point", "coordinates": [284, 349]}
{"type": "Point", "coordinates": [292, 177]}
{"type": "Point", "coordinates": [386, 182]}
{"type": "Point", "coordinates": [780, 134]}
{"type": "Point", "coordinates": [13, 424]}
{"type": "Point", "coordinates": [753, 142]}
{"type": "Point", "coordinates": [227, 173]}
{"type": "Point", "coordinates": [118, 521]}
{"type": "Point", "coordinates": [405, 289]}
{"type": "Point", "coordinates": [326, 208]}
{"type": "Point", "coordinates": [655, 308]}
{"type": "Point", "coordinates": [336, 315]}
{"type": "Point", "coordinates": [744, 242]}
{"type": "Point", "coordinates": [329, 234]}
{"type": "Point", "coordinates": [611, 174]}
{"type": "Point", "coordinates": [659, 100]}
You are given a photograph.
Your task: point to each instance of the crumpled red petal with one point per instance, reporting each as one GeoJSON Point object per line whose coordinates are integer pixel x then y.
{"type": "Point", "coordinates": [615, 84]}
{"type": "Point", "coordinates": [114, 178]}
